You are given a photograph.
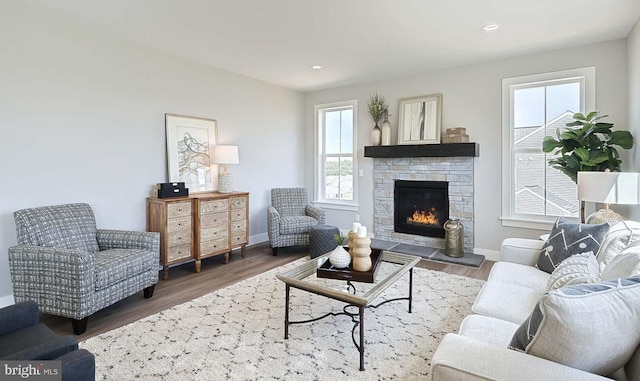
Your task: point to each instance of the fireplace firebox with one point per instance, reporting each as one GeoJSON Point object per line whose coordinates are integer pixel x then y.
{"type": "Point", "coordinates": [421, 207]}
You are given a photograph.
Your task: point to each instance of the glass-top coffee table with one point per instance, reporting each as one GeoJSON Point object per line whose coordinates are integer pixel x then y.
{"type": "Point", "coordinates": [357, 295]}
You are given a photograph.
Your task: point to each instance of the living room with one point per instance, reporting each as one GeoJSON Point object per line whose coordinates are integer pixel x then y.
{"type": "Point", "coordinates": [83, 120]}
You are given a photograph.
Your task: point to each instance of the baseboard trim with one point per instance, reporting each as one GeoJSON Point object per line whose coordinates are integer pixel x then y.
{"type": "Point", "coordinates": [7, 300]}
{"type": "Point", "coordinates": [259, 238]}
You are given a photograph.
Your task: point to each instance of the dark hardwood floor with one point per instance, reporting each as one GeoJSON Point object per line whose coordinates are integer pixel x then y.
{"type": "Point", "coordinates": [185, 284]}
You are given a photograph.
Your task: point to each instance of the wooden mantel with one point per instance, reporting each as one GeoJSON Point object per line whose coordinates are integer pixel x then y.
{"type": "Point", "coordinates": [424, 150]}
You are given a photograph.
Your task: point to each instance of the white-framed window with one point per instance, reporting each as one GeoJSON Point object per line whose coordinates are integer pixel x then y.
{"type": "Point", "coordinates": [534, 106]}
{"type": "Point", "coordinates": [335, 159]}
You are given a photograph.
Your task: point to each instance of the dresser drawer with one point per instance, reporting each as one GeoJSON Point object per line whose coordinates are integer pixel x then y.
{"type": "Point", "coordinates": [238, 227]}
{"type": "Point", "coordinates": [214, 206]}
{"type": "Point", "coordinates": [178, 223]}
{"type": "Point", "coordinates": [215, 232]}
{"type": "Point", "coordinates": [238, 214]}
{"type": "Point", "coordinates": [179, 237]}
{"type": "Point", "coordinates": [178, 209]}
{"type": "Point", "coordinates": [207, 247]}
{"type": "Point", "coordinates": [175, 253]}
{"type": "Point", "coordinates": [215, 219]}
{"type": "Point", "coordinates": [237, 239]}
{"type": "Point", "coordinates": [238, 202]}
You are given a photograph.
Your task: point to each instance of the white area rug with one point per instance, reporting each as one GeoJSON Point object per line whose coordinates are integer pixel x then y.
{"type": "Point", "coordinates": [237, 333]}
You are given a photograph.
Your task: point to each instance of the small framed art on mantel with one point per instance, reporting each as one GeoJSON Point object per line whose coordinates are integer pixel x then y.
{"type": "Point", "coordinates": [189, 142]}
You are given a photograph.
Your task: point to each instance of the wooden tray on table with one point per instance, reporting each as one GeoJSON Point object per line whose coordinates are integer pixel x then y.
{"type": "Point", "coordinates": [348, 273]}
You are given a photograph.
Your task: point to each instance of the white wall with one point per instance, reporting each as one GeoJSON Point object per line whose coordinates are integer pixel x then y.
{"type": "Point", "coordinates": [472, 99]}
{"type": "Point", "coordinates": [633, 67]}
{"type": "Point", "coordinates": [82, 120]}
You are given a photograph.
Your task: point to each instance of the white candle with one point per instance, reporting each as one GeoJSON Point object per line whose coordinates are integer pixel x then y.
{"type": "Point", "coordinates": [362, 231]}
{"type": "Point", "coordinates": [355, 227]}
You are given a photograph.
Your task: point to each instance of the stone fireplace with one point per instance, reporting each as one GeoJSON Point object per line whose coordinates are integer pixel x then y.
{"type": "Point", "coordinates": [455, 171]}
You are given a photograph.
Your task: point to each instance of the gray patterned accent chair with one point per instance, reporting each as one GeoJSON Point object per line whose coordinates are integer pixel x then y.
{"type": "Point", "coordinates": [72, 269]}
{"type": "Point", "coordinates": [290, 216]}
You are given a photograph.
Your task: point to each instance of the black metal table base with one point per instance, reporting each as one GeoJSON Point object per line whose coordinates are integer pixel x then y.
{"type": "Point", "coordinates": [357, 318]}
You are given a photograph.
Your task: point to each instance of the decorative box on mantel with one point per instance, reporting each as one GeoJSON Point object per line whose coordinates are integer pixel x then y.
{"type": "Point", "coordinates": [424, 150]}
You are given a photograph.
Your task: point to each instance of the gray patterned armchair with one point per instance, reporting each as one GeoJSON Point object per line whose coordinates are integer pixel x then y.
{"type": "Point", "coordinates": [72, 269]}
{"type": "Point", "coordinates": [290, 217]}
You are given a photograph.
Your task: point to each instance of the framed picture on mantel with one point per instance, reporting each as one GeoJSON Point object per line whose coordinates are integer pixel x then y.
{"type": "Point", "coordinates": [420, 120]}
{"type": "Point", "coordinates": [189, 142]}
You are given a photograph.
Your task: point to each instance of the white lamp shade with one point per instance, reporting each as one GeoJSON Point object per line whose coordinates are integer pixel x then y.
{"type": "Point", "coordinates": [225, 155]}
{"type": "Point", "coordinates": [609, 187]}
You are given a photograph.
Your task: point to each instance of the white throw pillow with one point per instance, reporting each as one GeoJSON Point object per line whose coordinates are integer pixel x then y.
{"type": "Point", "coordinates": [593, 327]}
{"type": "Point", "coordinates": [621, 235]}
{"type": "Point", "coordinates": [623, 265]}
{"type": "Point", "coordinates": [577, 269]}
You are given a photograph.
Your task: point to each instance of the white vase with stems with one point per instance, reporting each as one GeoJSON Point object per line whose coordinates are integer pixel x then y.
{"type": "Point", "coordinates": [376, 136]}
{"type": "Point", "coordinates": [385, 139]}
{"type": "Point", "coordinates": [376, 107]}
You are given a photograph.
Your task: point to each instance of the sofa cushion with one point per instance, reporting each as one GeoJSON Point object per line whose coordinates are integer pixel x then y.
{"type": "Point", "coordinates": [623, 265]}
{"type": "Point", "coordinates": [521, 275]}
{"type": "Point", "coordinates": [577, 269]}
{"type": "Point", "coordinates": [593, 327]}
{"type": "Point", "coordinates": [115, 265]}
{"type": "Point", "coordinates": [632, 367]}
{"type": "Point", "coordinates": [506, 301]}
{"type": "Point", "coordinates": [620, 235]}
{"type": "Point", "coordinates": [488, 329]}
{"type": "Point", "coordinates": [24, 339]}
{"type": "Point", "coordinates": [296, 224]}
{"type": "Point", "coordinates": [567, 239]}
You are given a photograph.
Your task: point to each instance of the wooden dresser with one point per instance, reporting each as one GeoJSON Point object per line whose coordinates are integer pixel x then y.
{"type": "Point", "coordinates": [199, 226]}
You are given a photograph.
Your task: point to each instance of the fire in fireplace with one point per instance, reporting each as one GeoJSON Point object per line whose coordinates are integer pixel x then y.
{"type": "Point", "coordinates": [421, 207]}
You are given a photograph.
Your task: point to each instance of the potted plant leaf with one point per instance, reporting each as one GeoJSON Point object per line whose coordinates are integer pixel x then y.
{"type": "Point", "coordinates": [587, 144]}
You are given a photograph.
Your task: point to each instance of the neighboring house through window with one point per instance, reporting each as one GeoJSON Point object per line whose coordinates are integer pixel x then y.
{"type": "Point", "coordinates": [534, 193]}
{"type": "Point", "coordinates": [335, 183]}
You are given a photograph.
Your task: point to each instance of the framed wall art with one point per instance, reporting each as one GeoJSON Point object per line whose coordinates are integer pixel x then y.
{"type": "Point", "coordinates": [189, 142]}
{"type": "Point", "coordinates": [420, 120]}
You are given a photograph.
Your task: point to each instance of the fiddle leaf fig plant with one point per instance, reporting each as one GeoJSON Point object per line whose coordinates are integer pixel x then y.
{"type": "Point", "coordinates": [587, 144]}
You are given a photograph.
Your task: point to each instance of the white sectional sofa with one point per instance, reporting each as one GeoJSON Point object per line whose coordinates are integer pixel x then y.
{"type": "Point", "coordinates": [480, 350]}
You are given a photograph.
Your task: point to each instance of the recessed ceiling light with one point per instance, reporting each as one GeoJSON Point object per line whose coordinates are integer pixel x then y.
{"type": "Point", "coordinates": [316, 67]}
{"type": "Point", "coordinates": [490, 27]}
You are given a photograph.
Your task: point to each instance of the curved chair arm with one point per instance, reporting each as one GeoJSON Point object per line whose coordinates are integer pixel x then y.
{"type": "Point", "coordinates": [65, 279]}
{"type": "Point", "coordinates": [18, 316]}
{"type": "Point", "coordinates": [127, 239]}
{"type": "Point", "coordinates": [316, 213]}
{"type": "Point", "coordinates": [273, 223]}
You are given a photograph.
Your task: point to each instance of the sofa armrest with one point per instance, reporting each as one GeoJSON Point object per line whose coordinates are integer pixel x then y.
{"type": "Point", "coordinates": [273, 223]}
{"type": "Point", "coordinates": [461, 358]}
{"type": "Point", "coordinates": [18, 316]}
{"type": "Point", "coordinates": [67, 277]}
{"type": "Point", "coordinates": [521, 250]}
{"type": "Point", "coordinates": [315, 212]}
{"type": "Point", "coordinates": [78, 365]}
{"type": "Point", "coordinates": [127, 239]}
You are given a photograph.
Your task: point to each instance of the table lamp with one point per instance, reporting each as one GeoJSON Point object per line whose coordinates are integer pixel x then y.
{"type": "Point", "coordinates": [608, 188]}
{"type": "Point", "coordinates": [225, 155]}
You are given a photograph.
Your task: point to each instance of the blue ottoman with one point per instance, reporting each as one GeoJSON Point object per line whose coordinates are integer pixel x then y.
{"type": "Point", "coordinates": [322, 239]}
